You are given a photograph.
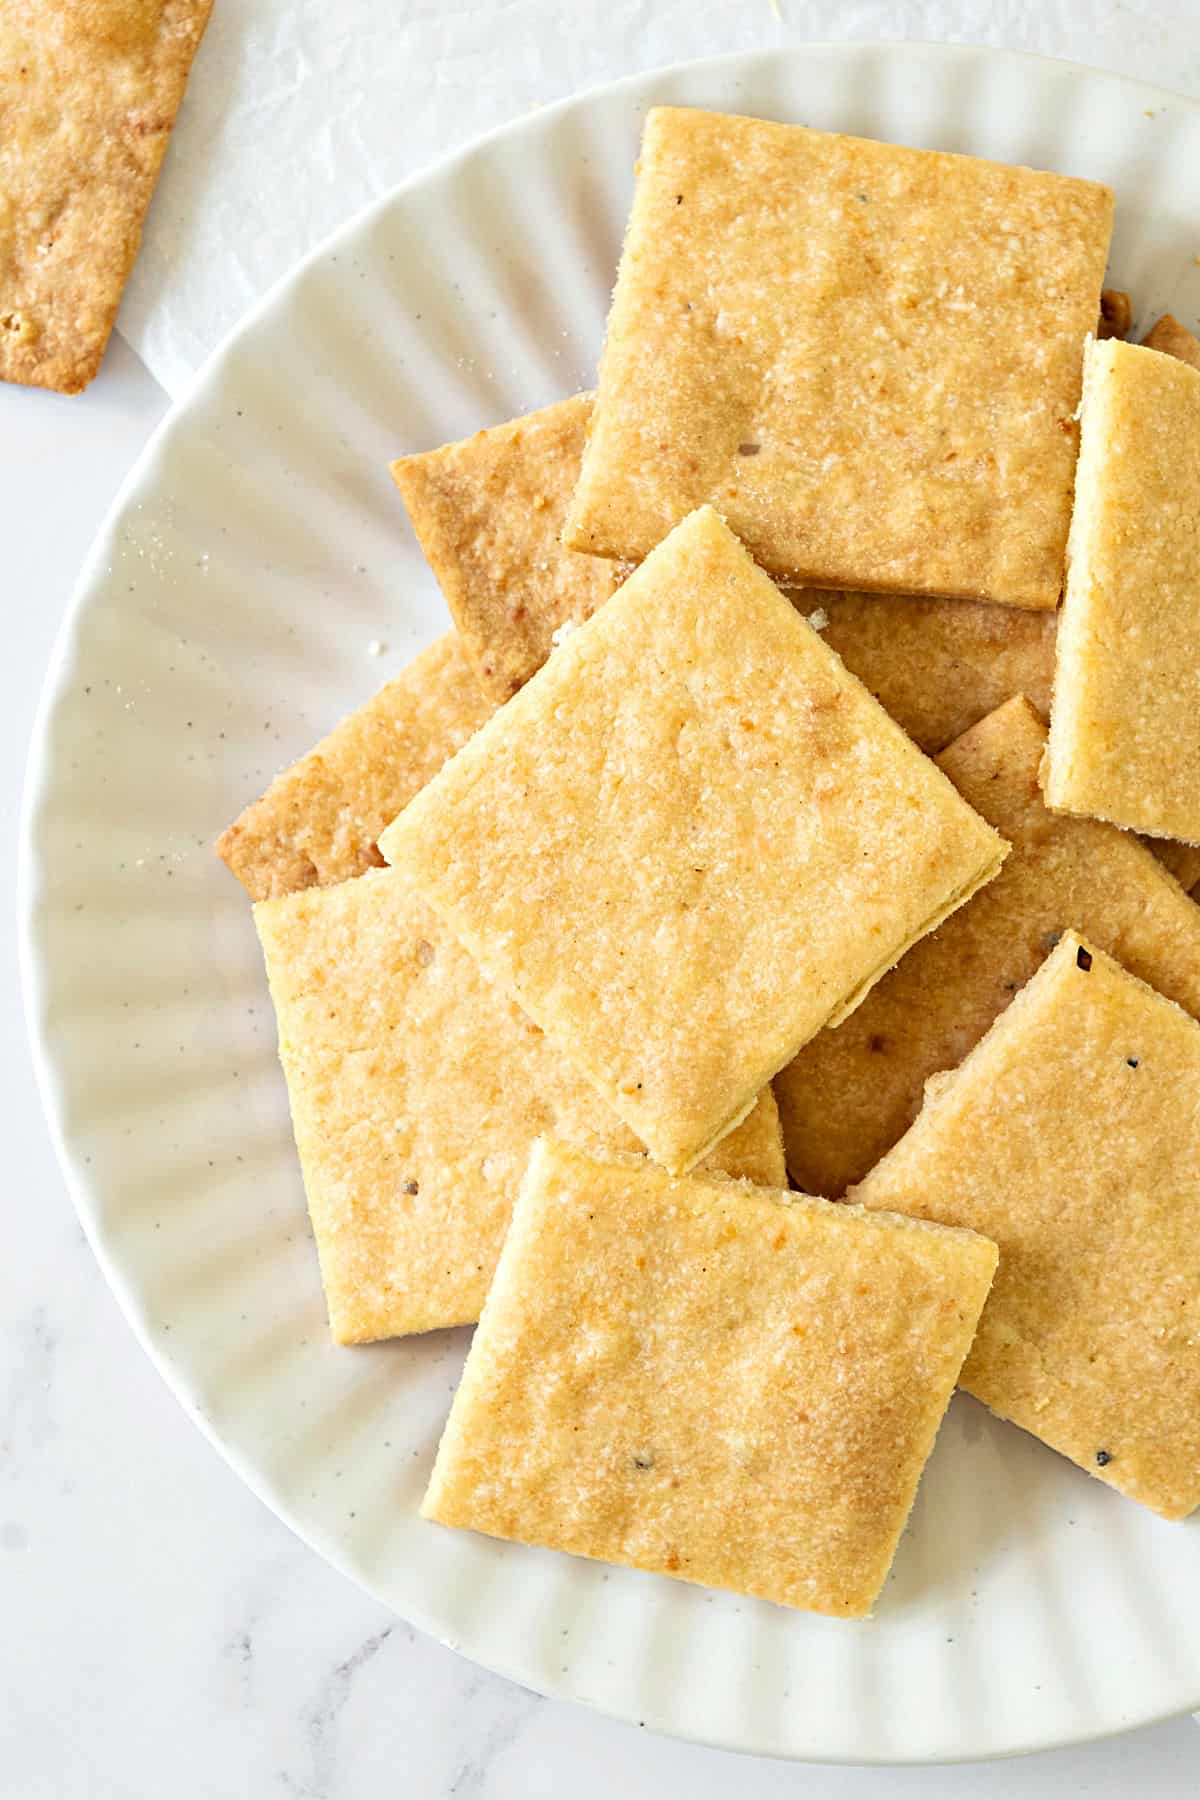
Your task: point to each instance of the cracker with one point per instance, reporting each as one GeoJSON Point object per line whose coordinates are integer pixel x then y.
{"type": "Point", "coordinates": [489, 513]}
{"type": "Point", "coordinates": [690, 841]}
{"type": "Point", "coordinates": [852, 1092]}
{"type": "Point", "coordinates": [318, 822]}
{"type": "Point", "coordinates": [1071, 1136]}
{"type": "Point", "coordinates": [937, 665]}
{"type": "Point", "coordinates": [416, 1092]}
{"type": "Point", "coordinates": [732, 1387]}
{"type": "Point", "coordinates": [1125, 720]}
{"type": "Point", "coordinates": [1173, 339]}
{"type": "Point", "coordinates": [1116, 314]}
{"type": "Point", "coordinates": [867, 357]}
{"type": "Point", "coordinates": [87, 105]}
{"type": "Point", "coordinates": [1183, 860]}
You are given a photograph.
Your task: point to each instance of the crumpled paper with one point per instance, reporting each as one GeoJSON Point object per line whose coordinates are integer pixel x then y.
{"type": "Point", "coordinates": [299, 112]}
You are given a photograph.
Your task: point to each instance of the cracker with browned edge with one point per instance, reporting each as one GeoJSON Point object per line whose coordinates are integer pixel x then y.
{"type": "Point", "coordinates": [319, 821]}
{"type": "Point", "coordinates": [488, 513]}
{"type": "Point", "coordinates": [937, 665]}
{"type": "Point", "coordinates": [852, 1092]}
{"type": "Point", "coordinates": [690, 841]}
{"type": "Point", "coordinates": [1173, 339]}
{"type": "Point", "coordinates": [89, 90]}
{"type": "Point", "coordinates": [1125, 719]}
{"type": "Point", "coordinates": [416, 1092]}
{"type": "Point", "coordinates": [1071, 1135]}
{"type": "Point", "coordinates": [867, 357]}
{"type": "Point", "coordinates": [733, 1387]}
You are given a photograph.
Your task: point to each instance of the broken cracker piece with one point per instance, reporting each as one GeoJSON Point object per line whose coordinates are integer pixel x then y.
{"type": "Point", "coordinates": [416, 1092]}
{"type": "Point", "coordinates": [733, 1387]}
{"type": "Point", "coordinates": [319, 821]}
{"type": "Point", "coordinates": [690, 841]}
{"type": "Point", "coordinates": [1071, 1136]}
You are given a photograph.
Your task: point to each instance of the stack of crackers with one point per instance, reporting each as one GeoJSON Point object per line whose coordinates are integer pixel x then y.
{"type": "Point", "coordinates": [764, 815]}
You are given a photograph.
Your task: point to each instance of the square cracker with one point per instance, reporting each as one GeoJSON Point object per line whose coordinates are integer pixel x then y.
{"type": "Point", "coordinates": [88, 97]}
{"type": "Point", "coordinates": [319, 821]}
{"type": "Point", "coordinates": [867, 357]}
{"type": "Point", "coordinates": [852, 1092]}
{"type": "Point", "coordinates": [488, 513]}
{"type": "Point", "coordinates": [737, 1388]}
{"type": "Point", "coordinates": [690, 841]}
{"type": "Point", "coordinates": [1125, 721]}
{"type": "Point", "coordinates": [1071, 1135]}
{"type": "Point", "coordinates": [416, 1092]}
{"type": "Point", "coordinates": [1173, 339]}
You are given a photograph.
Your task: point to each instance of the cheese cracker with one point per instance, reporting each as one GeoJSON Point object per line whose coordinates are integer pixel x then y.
{"type": "Point", "coordinates": [690, 841]}
{"type": "Point", "coordinates": [852, 1092]}
{"type": "Point", "coordinates": [88, 99]}
{"type": "Point", "coordinates": [488, 513]}
{"type": "Point", "coordinates": [1071, 1135]}
{"type": "Point", "coordinates": [416, 1091]}
{"type": "Point", "coordinates": [1125, 720]}
{"type": "Point", "coordinates": [319, 820]}
{"type": "Point", "coordinates": [867, 357]}
{"type": "Point", "coordinates": [732, 1387]}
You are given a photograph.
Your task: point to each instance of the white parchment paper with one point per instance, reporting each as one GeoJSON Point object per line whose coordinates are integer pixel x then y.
{"type": "Point", "coordinates": [301, 111]}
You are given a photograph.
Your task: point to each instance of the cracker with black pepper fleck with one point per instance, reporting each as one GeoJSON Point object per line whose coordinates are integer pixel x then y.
{"type": "Point", "coordinates": [852, 1092]}
{"type": "Point", "coordinates": [416, 1091]}
{"type": "Point", "coordinates": [1071, 1136]}
{"type": "Point", "coordinates": [731, 1386]}
{"type": "Point", "coordinates": [867, 357]}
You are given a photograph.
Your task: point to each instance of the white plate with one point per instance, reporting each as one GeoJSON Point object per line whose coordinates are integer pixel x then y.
{"type": "Point", "coordinates": [223, 621]}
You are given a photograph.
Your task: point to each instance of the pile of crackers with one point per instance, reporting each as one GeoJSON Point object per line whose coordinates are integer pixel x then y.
{"type": "Point", "coordinates": [765, 816]}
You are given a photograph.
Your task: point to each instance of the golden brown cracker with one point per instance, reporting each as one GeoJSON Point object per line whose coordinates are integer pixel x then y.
{"type": "Point", "coordinates": [89, 90]}
{"type": "Point", "coordinates": [416, 1092]}
{"type": "Point", "coordinates": [488, 513]}
{"type": "Point", "coordinates": [852, 1092]}
{"type": "Point", "coordinates": [732, 1387]}
{"type": "Point", "coordinates": [1125, 720]}
{"type": "Point", "coordinates": [1071, 1135]}
{"type": "Point", "coordinates": [1173, 339]}
{"type": "Point", "coordinates": [866, 357]}
{"type": "Point", "coordinates": [937, 665]}
{"type": "Point", "coordinates": [319, 821]}
{"type": "Point", "coordinates": [1116, 314]}
{"type": "Point", "coordinates": [690, 841]}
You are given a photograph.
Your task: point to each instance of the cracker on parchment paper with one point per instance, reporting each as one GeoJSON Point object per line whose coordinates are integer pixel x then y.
{"type": "Point", "coordinates": [89, 90]}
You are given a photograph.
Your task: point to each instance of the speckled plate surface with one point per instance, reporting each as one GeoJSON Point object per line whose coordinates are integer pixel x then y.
{"type": "Point", "coordinates": [224, 620]}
